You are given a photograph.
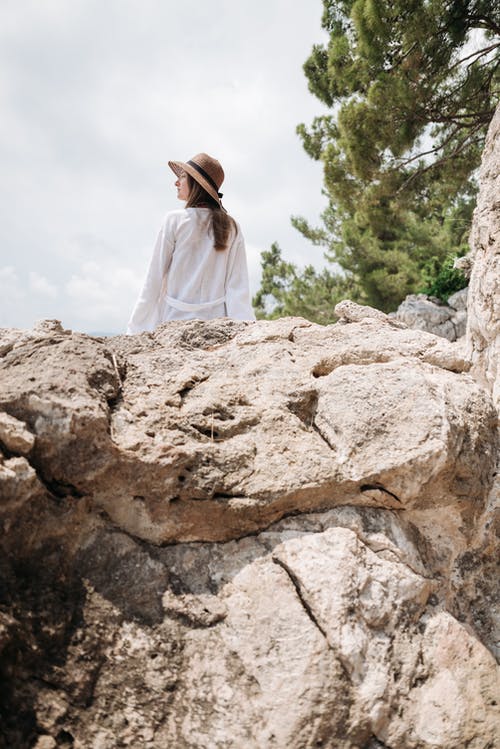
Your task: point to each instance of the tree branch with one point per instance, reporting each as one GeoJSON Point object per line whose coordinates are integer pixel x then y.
{"type": "Point", "coordinates": [418, 172]}
{"type": "Point", "coordinates": [483, 22]}
{"type": "Point", "coordinates": [477, 54]}
{"type": "Point", "coordinates": [457, 119]}
{"type": "Point", "coordinates": [398, 165]}
{"type": "Point", "coordinates": [402, 58]}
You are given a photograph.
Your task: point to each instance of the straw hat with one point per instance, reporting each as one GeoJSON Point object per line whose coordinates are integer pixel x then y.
{"type": "Point", "coordinates": [205, 170]}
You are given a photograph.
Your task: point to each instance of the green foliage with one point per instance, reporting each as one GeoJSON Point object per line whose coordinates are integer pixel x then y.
{"type": "Point", "coordinates": [443, 279]}
{"type": "Point", "coordinates": [411, 87]}
{"type": "Point", "coordinates": [285, 290]}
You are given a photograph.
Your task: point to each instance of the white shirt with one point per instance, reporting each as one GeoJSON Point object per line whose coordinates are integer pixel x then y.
{"type": "Point", "coordinates": [187, 278]}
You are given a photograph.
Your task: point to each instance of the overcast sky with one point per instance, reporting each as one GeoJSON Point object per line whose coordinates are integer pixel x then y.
{"type": "Point", "coordinates": [97, 95]}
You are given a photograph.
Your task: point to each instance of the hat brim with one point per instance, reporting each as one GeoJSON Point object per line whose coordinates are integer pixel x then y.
{"type": "Point", "coordinates": [179, 166]}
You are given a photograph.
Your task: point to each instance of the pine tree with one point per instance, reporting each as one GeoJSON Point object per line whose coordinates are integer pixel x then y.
{"type": "Point", "coordinates": [411, 86]}
{"type": "Point", "coordinates": [286, 291]}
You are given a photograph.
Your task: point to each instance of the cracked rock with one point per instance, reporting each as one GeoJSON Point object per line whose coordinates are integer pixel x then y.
{"type": "Point", "coordinates": [273, 534]}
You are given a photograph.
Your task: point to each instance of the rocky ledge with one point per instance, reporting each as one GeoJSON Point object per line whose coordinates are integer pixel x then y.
{"type": "Point", "coordinates": [428, 313]}
{"type": "Point", "coordinates": [208, 526]}
{"type": "Point", "coordinates": [253, 535]}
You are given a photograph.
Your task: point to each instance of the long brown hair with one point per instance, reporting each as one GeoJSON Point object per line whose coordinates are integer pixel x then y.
{"type": "Point", "coordinates": [222, 222]}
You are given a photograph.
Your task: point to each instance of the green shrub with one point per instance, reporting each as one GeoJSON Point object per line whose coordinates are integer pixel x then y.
{"type": "Point", "coordinates": [442, 279]}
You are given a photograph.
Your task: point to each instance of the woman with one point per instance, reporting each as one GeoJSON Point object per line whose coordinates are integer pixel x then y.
{"type": "Point", "coordinates": [198, 268]}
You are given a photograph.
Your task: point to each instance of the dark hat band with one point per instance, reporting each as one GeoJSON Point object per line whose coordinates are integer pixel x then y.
{"type": "Point", "coordinates": [205, 175]}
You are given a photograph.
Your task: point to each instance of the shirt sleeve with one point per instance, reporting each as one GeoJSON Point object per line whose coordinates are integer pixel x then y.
{"type": "Point", "coordinates": [238, 304]}
{"type": "Point", "coordinates": [147, 310]}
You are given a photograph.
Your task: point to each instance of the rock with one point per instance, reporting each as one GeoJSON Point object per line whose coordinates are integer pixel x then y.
{"type": "Point", "coordinates": [19, 485]}
{"type": "Point", "coordinates": [201, 610]}
{"type": "Point", "coordinates": [122, 572]}
{"type": "Point", "coordinates": [14, 435]}
{"type": "Point", "coordinates": [8, 627]}
{"type": "Point", "coordinates": [45, 742]}
{"type": "Point", "coordinates": [421, 312]}
{"type": "Point", "coordinates": [273, 534]}
{"type": "Point", "coordinates": [458, 300]}
{"type": "Point", "coordinates": [50, 326]}
{"type": "Point", "coordinates": [334, 613]}
{"type": "Point", "coordinates": [450, 701]}
{"type": "Point", "coordinates": [483, 307]}
{"type": "Point", "coordinates": [475, 577]}
{"type": "Point", "coordinates": [464, 264]}
{"type": "Point", "coordinates": [205, 435]}
{"type": "Point", "coordinates": [227, 437]}
{"type": "Point", "coordinates": [8, 339]}
{"type": "Point", "coordinates": [348, 311]}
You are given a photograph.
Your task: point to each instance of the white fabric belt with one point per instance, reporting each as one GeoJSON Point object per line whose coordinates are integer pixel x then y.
{"type": "Point", "coordinates": [187, 307]}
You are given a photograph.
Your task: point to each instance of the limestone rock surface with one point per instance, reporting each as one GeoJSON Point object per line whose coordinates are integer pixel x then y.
{"type": "Point", "coordinates": [207, 432]}
{"type": "Point", "coordinates": [208, 525]}
{"type": "Point", "coordinates": [231, 535]}
{"type": "Point", "coordinates": [422, 312]}
{"type": "Point", "coordinates": [483, 309]}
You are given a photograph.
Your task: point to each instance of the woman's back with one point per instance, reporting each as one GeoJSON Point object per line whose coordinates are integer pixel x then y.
{"type": "Point", "coordinates": [198, 268]}
{"type": "Point", "coordinates": [197, 274]}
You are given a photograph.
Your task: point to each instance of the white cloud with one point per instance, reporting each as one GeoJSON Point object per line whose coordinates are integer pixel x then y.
{"type": "Point", "coordinates": [102, 295]}
{"type": "Point", "coordinates": [10, 285]}
{"type": "Point", "coordinates": [96, 97]}
{"type": "Point", "coordinates": [253, 258]}
{"type": "Point", "coordinates": [39, 284]}
{"type": "Point", "coordinates": [22, 292]}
